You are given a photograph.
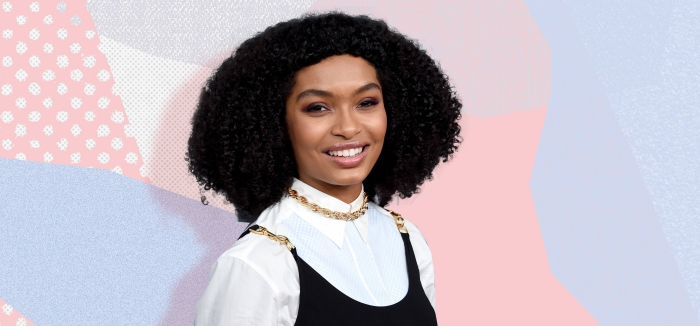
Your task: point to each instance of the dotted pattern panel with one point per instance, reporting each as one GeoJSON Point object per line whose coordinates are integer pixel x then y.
{"type": "Point", "coordinates": [58, 102]}
{"type": "Point", "coordinates": [10, 316]}
{"type": "Point", "coordinates": [380, 261]}
{"type": "Point", "coordinates": [160, 96]}
{"type": "Point", "coordinates": [387, 251]}
{"type": "Point", "coordinates": [323, 255]}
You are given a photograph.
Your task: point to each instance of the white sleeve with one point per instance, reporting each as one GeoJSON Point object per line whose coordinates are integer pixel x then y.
{"type": "Point", "coordinates": [236, 296]}
{"type": "Point", "coordinates": [424, 259]}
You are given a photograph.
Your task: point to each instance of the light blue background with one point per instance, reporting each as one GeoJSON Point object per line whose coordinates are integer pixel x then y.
{"type": "Point", "coordinates": [616, 181]}
{"type": "Point", "coordinates": [616, 178]}
{"type": "Point", "coordinates": [84, 245]}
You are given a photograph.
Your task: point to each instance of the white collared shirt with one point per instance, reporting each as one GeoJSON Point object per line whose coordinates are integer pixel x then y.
{"type": "Point", "coordinates": [256, 281]}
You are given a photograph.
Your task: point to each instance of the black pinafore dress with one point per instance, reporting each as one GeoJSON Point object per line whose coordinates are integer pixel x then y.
{"type": "Point", "coordinates": [320, 303]}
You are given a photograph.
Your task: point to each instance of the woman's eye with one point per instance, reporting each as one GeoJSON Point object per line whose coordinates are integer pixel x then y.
{"type": "Point", "coordinates": [315, 108]}
{"type": "Point", "coordinates": [367, 103]}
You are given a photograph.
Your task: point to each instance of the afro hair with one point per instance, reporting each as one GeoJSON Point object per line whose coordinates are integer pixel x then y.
{"type": "Point", "coordinates": [240, 147]}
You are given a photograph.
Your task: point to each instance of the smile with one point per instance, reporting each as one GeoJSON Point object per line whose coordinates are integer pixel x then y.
{"type": "Point", "coordinates": [347, 152]}
{"type": "Point", "coordinates": [348, 158]}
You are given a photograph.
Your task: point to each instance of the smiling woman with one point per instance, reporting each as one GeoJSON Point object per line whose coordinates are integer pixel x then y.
{"type": "Point", "coordinates": [309, 129]}
{"type": "Point", "coordinates": [336, 124]}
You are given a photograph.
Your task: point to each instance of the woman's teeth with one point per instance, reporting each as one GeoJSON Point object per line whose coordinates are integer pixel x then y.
{"type": "Point", "coordinates": [347, 152]}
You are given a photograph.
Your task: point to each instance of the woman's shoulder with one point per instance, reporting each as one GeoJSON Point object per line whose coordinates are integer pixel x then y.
{"type": "Point", "coordinates": [255, 272]}
{"type": "Point", "coordinates": [268, 258]}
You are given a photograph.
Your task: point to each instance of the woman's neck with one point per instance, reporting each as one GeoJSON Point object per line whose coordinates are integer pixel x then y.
{"type": "Point", "coordinates": [344, 193]}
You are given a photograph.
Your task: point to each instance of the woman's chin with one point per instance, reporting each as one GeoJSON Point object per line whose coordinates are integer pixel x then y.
{"type": "Point", "coordinates": [347, 177]}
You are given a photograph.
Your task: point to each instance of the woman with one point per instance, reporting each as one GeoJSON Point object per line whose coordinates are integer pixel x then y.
{"type": "Point", "coordinates": [309, 129]}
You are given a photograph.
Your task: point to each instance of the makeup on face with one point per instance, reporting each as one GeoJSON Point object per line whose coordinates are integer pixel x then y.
{"type": "Point", "coordinates": [347, 155]}
{"type": "Point", "coordinates": [337, 122]}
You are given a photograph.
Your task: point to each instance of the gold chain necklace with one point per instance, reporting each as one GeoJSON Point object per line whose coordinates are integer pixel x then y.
{"type": "Point", "coordinates": [327, 212]}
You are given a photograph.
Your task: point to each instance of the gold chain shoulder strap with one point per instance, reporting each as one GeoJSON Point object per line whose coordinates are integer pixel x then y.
{"type": "Point", "coordinates": [285, 241]}
{"type": "Point", "coordinates": [399, 221]}
{"type": "Point", "coordinates": [279, 238]}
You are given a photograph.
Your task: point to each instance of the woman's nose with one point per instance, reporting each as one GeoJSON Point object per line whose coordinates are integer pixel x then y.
{"type": "Point", "coordinates": [347, 123]}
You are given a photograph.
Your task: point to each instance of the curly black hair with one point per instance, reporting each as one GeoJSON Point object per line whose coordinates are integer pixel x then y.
{"type": "Point", "coordinates": [240, 147]}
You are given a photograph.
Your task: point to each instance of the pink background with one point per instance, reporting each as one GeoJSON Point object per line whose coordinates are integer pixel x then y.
{"type": "Point", "coordinates": [126, 108]}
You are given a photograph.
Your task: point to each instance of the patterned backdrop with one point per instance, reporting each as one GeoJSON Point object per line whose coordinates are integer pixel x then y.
{"type": "Point", "coordinates": [573, 200]}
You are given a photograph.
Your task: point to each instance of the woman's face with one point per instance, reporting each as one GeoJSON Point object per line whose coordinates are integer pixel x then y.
{"type": "Point", "coordinates": [336, 122]}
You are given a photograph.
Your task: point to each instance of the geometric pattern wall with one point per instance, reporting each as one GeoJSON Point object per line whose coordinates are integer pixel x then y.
{"type": "Point", "coordinates": [573, 199]}
{"type": "Point", "coordinates": [59, 103]}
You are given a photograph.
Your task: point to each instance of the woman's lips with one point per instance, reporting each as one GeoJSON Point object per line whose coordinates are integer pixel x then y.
{"type": "Point", "coordinates": [348, 162]}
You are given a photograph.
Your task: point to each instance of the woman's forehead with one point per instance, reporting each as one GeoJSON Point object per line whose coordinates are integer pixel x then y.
{"type": "Point", "coordinates": [336, 72]}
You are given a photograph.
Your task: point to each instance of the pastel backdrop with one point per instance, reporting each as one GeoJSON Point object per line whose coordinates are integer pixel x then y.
{"type": "Point", "coordinates": [573, 199]}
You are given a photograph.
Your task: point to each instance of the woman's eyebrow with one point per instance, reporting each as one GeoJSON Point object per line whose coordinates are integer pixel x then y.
{"type": "Point", "coordinates": [318, 92]}
{"type": "Point", "coordinates": [311, 92]}
{"type": "Point", "coordinates": [368, 87]}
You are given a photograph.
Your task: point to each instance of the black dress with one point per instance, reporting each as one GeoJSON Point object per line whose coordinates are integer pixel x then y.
{"type": "Point", "coordinates": [320, 303]}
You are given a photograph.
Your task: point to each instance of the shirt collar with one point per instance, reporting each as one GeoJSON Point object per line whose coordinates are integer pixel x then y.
{"type": "Point", "coordinates": [332, 228]}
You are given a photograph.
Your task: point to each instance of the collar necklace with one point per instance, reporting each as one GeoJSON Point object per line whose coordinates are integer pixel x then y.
{"type": "Point", "coordinates": [327, 212]}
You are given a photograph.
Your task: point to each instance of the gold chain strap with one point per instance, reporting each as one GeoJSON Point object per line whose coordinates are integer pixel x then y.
{"type": "Point", "coordinates": [327, 212]}
{"type": "Point", "coordinates": [285, 241]}
{"type": "Point", "coordinates": [279, 238]}
{"type": "Point", "coordinates": [399, 221]}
